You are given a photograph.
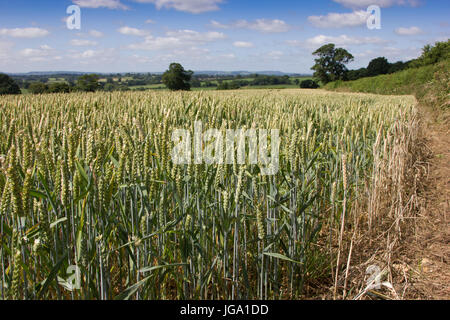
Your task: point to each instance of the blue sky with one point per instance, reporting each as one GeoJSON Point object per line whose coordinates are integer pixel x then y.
{"type": "Point", "coordinates": [147, 35]}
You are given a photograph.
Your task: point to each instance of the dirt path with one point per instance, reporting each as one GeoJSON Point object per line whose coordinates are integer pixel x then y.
{"type": "Point", "coordinates": [430, 265]}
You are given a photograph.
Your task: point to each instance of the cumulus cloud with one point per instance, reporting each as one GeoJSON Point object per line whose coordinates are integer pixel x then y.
{"type": "Point", "coordinates": [110, 4]}
{"type": "Point", "coordinates": [339, 20]}
{"type": "Point", "coordinates": [5, 49]}
{"type": "Point", "coordinates": [276, 54]}
{"type": "Point", "coordinates": [391, 53]}
{"type": "Point", "coordinates": [177, 39]}
{"type": "Point", "coordinates": [261, 25]}
{"type": "Point", "coordinates": [43, 53]}
{"type": "Point", "coordinates": [96, 34]}
{"type": "Point", "coordinates": [342, 40]}
{"type": "Point", "coordinates": [133, 31]}
{"type": "Point", "coordinates": [94, 56]}
{"type": "Point", "coordinates": [228, 56]}
{"type": "Point", "coordinates": [411, 31]}
{"type": "Point", "coordinates": [83, 43]}
{"type": "Point", "coordinates": [243, 44]}
{"type": "Point", "coordinates": [24, 32]}
{"type": "Point", "coordinates": [358, 4]}
{"type": "Point", "coordinates": [192, 6]}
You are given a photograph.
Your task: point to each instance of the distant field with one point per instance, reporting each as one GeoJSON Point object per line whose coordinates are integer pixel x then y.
{"type": "Point", "coordinates": [278, 86]}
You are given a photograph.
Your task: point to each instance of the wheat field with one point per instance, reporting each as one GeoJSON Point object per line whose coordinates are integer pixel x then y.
{"type": "Point", "coordinates": [87, 180]}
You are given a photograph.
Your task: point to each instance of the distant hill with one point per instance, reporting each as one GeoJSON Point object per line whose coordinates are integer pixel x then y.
{"type": "Point", "coordinates": [202, 72]}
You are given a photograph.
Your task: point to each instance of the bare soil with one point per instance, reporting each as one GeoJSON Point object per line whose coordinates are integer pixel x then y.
{"type": "Point", "coordinates": [426, 263]}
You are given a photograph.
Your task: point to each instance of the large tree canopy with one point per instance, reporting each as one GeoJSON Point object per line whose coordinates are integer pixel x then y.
{"type": "Point", "coordinates": [88, 83]}
{"type": "Point", "coordinates": [7, 85]}
{"type": "Point", "coordinates": [330, 64]}
{"type": "Point", "coordinates": [176, 78]}
{"type": "Point", "coordinates": [378, 66]}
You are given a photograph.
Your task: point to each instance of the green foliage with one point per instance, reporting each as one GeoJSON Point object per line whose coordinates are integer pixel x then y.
{"type": "Point", "coordinates": [58, 87]}
{"type": "Point", "coordinates": [430, 84]}
{"type": "Point", "coordinates": [195, 83]}
{"type": "Point", "coordinates": [88, 83]}
{"type": "Point", "coordinates": [330, 64]}
{"type": "Point", "coordinates": [309, 84]}
{"type": "Point", "coordinates": [269, 80]}
{"type": "Point", "coordinates": [398, 66]}
{"type": "Point", "coordinates": [378, 66]}
{"type": "Point", "coordinates": [7, 85]}
{"type": "Point", "coordinates": [357, 74]}
{"type": "Point", "coordinates": [38, 87]}
{"type": "Point", "coordinates": [176, 78]}
{"type": "Point", "coordinates": [233, 85]}
{"type": "Point", "coordinates": [433, 54]}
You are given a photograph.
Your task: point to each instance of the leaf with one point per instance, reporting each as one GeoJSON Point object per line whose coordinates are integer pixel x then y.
{"type": "Point", "coordinates": [148, 269]}
{"type": "Point", "coordinates": [80, 230]}
{"type": "Point", "coordinates": [280, 256]}
{"type": "Point", "coordinates": [127, 293]}
{"type": "Point", "coordinates": [52, 275]}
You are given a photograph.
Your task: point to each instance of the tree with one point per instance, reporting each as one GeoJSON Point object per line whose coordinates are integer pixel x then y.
{"type": "Point", "coordinates": [176, 78]}
{"type": "Point", "coordinates": [330, 64]}
{"type": "Point", "coordinates": [378, 66]}
{"type": "Point", "coordinates": [309, 84]}
{"type": "Point", "coordinates": [195, 83]}
{"type": "Point", "coordinates": [58, 87]}
{"type": "Point", "coordinates": [7, 85]}
{"type": "Point", "coordinates": [228, 85]}
{"type": "Point", "coordinates": [433, 54]}
{"type": "Point", "coordinates": [38, 87]}
{"type": "Point", "coordinates": [88, 83]}
{"type": "Point", "coordinates": [397, 66]}
{"type": "Point", "coordinates": [357, 74]}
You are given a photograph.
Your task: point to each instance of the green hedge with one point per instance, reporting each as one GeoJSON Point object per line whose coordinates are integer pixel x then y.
{"type": "Point", "coordinates": [429, 84]}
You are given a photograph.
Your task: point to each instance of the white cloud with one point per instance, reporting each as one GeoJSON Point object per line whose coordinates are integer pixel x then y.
{"type": "Point", "coordinates": [339, 20]}
{"type": "Point", "coordinates": [412, 31]}
{"type": "Point", "coordinates": [195, 36]}
{"type": "Point", "coordinates": [5, 49]}
{"type": "Point", "coordinates": [177, 39]}
{"type": "Point", "coordinates": [192, 6]}
{"type": "Point", "coordinates": [228, 56]}
{"type": "Point", "coordinates": [86, 54]}
{"type": "Point", "coordinates": [24, 32]}
{"type": "Point", "coordinates": [83, 43]}
{"type": "Point", "coordinates": [261, 25]}
{"type": "Point", "coordinates": [96, 34]}
{"type": "Point", "coordinates": [243, 44]}
{"type": "Point", "coordinates": [381, 3]}
{"type": "Point", "coordinates": [89, 56]}
{"type": "Point", "coordinates": [391, 53]}
{"type": "Point", "coordinates": [216, 24]}
{"type": "Point", "coordinates": [133, 31]}
{"type": "Point", "coordinates": [150, 21]}
{"type": "Point", "coordinates": [43, 53]}
{"type": "Point", "coordinates": [342, 40]}
{"type": "Point", "coordinates": [276, 54]}
{"type": "Point", "coordinates": [110, 4]}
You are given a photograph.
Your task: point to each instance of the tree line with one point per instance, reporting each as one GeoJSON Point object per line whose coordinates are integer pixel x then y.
{"type": "Point", "coordinates": [330, 64]}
